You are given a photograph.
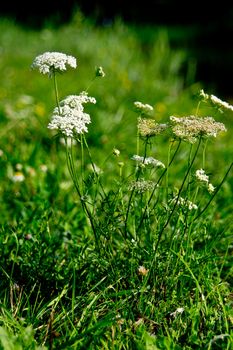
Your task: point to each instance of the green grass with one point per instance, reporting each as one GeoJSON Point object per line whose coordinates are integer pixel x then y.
{"type": "Point", "coordinates": [64, 286]}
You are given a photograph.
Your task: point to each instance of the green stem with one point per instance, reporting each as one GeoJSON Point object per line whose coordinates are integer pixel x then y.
{"type": "Point", "coordinates": [215, 193]}
{"type": "Point", "coordinates": [56, 91]}
{"type": "Point", "coordinates": [73, 173]}
{"type": "Point", "coordinates": [167, 172]}
{"type": "Point", "coordinates": [189, 162]}
{"type": "Point", "coordinates": [204, 153]}
{"type": "Point", "coordinates": [156, 185]}
{"type": "Point", "coordinates": [178, 196]}
{"type": "Point", "coordinates": [198, 106]}
{"type": "Point", "coordinates": [138, 173]}
{"type": "Point", "coordinates": [82, 162]}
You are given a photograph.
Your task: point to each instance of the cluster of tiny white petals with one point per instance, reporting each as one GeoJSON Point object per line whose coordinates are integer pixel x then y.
{"type": "Point", "coordinates": [70, 116]}
{"type": "Point", "coordinates": [148, 127]}
{"type": "Point", "coordinates": [53, 61]}
{"type": "Point", "coordinates": [203, 95]}
{"type": "Point", "coordinates": [202, 177]}
{"type": "Point", "coordinates": [210, 188]}
{"type": "Point", "coordinates": [190, 128]}
{"type": "Point", "coordinates": [141, 186]}
{"type": "Point", "coordinates": [216, 101]}
{"type": "Point", "coordinates": [184, 203]}
{"type": "Point", "coordinates": [148, 161]}
{"type": "Point", "coordinates": [143, 108]}
{"type": "Point", "coordinates": [219, 103]}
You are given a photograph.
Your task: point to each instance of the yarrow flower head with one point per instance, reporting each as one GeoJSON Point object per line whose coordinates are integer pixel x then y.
{"type": "Point", "coordinates": [49, 62]}
{"type": "Point", "coordinates": [203, 178]}
{"type": "Point", "coordinates": [143, 108]}
{"type": "Point", "coordinates": [215, 101]}
{"type": "Point", "coordinates": [148, 161]}
{"type": "Point", "coordinates": [191, 128]}
{"type": "Point", "coordinates": [70, 118]}
{"type": "Point", "coordinates": [185, 203]}
{"type": "Point", "coordinates": [141, 186]}
{"type": "Point", "coordinates": [148, 127]}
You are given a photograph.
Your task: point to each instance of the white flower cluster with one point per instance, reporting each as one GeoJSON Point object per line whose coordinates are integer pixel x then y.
{"type": "Point", "coordinates": [148, 161]}
{"type": "Point", "coordinates": [70, 116]}
{"type": "Point", "coordinates": [202, 177]}
{"type": "Point", "coordinates": [219, 103]}
{"type": "Point", "coordinates": [143, 108]}
{"type": "Point", "coordinates": [148, 127]}
{"type": "Point", "coordinates": [185, 203]}
{"type": "Point", "coordinates": [191, 127]}
{"type": "Point", "coordinates": [53, 61]}
{"type": "Point", "coordinates": [216, 101]}
{"type": "Point", "coordinates": [141, 186]}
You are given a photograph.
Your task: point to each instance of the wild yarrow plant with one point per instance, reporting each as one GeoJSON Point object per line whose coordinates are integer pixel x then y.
{"type": "Point", "coordinates": [147, 191]}
{"type": "Point", "coordinates": [140, 267]}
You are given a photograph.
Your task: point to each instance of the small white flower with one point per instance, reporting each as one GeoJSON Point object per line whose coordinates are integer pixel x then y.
{"type": "Point", "coordinates": [148, 161]}
{"type": "Point", "coordinates": [203, 95]}
{"type": "Point", "coordinates": [201, 176]}
{"type": "Point", "coordinates": [53, 61]}
{"type": "Point", "coordinates": [210, 188]}
{"type": "Point", "coordinates": [18, 177]}
{"type": "Point", "coordinates": [219, 103]}
{"type": "Point", "coordinates": [70, 116]}
{"type": "Point", "coordinates": [116, 152]}
{"type": "Point", "coordinates": [143, 108]}
{"type": "Point", "coordinates": [214, 100]}
{"type": "Point", "coordinates": [184, 203]}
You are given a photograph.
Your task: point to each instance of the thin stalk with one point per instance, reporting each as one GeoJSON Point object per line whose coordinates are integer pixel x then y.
{"type": "Point", "coordinates": [74, 177]}
{"type": "Point", "coordinates": [94, 169]}
{"type": "Point", "coordinates": [204, 153]}
{"type": "Point", "coordinates": [178, 196]}
{"type": "Point", "coordinates": [156, 185]}
{"type": "Point", "coordinates": [215, 193]}
{"type": "Point", "coordinates": [198, 106]}
{"type": "Point", "coordinates": [189, 162]}
{"type": "Point", "coordinates": [203, 299]}
{"type": "Point", "coordinates": [56, 91]}
{"type": "Point", "coordinates": [133, 190]}
{"type": "Point", "coordinates": [82, 162]}
{"type": "Point", "coordinates": [168, 162]}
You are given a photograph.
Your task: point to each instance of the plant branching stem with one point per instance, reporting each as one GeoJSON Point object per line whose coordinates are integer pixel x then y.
{"type": "Point", "coordinates": [178, 196]}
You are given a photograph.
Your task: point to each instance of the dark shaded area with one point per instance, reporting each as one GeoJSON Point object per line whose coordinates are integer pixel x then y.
{"type": "Point", "coordinates": [211, 43]}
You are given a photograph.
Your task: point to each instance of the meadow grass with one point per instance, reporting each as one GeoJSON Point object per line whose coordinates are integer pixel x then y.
{"type": "Point", "coordinates": [102, 249]}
